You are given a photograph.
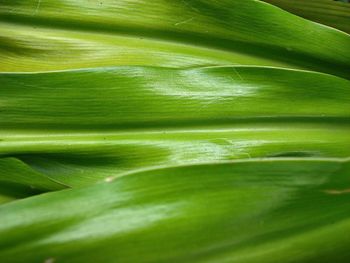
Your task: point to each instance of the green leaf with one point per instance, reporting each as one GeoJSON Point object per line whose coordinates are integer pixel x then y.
{"type": "Point", "coordinates": [147, 110]}
{"type": "Point", "coordinates": [252, 211]}
{"type": "Point", "coordinates": [56, 34]}
{"type": "Point", "coordinates": [18, 180]}
{"type": "Point", "coordinates": [125, 97]}
{"type": "Point", "coordinates": [14, 171]}
{"type": "Point", "coordinates": [79, 127]}
{"type": "Point", "coordinates": [326, 12]}
{"type": "Point", "coordinates": [12, 191]}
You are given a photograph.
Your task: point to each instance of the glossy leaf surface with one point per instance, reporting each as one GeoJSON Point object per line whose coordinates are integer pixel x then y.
{"type": "Point", "coordinates": [173, 131]}
{"type": "Point", "coordinates": [326, 12]}
{"type": "Point", "coordinates": [79, 127]}
{"type": "Point", "coordinates": [254, 211]}
{"type": "Point", "coordinates": [51, 35]}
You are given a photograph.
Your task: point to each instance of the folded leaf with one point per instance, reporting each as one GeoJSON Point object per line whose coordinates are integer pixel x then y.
{"type": "Point", "coordinates": [137, 97]}
{"type": "Point", "coordinates": [58, 34]}
{"type": "Point", "coordinates": [18, 180]}
{"type": "Point", "coordinates": [253, 211]}
{"type": "Point", "coordinates": [326, 12]}
{"type": "Point", "coordinates": [156, 103]}
{"type": "Point", "coordinates": [79, 127]}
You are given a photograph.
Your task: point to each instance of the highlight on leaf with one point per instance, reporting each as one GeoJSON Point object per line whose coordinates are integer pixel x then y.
{"type": "Point", "coordinates": [174, 131]}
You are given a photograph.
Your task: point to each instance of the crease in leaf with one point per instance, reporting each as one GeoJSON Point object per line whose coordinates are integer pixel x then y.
{"type": "Point", "coordinates": [326, 12]}
{"type": "Point", "coordinates": [250, 32]}
{"type": "Point", "coordinates": [213, 138]}
{"type": "Point", "coordinates": [263, 208]}
{"type": "Point", "coordinates": [83, 126]}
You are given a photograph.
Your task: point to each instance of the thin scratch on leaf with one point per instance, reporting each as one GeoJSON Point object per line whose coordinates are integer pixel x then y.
{"type": "Point", "coordinates": [37, 7]}
{"type": "Point", "coordinates": [337, 192]}
{"type": "Point", "coordinates": [191, 7]}
{"type": "Point", "coordinates": [237, 73]}
{"type": "Point", "coordinates": [184, 22]}
{"type": "Point", "coordinates": [206, 105]}
{"type": "Point", "coordinates": [246, 154]}
{"type": "Point", "coordinates": [220, 140]}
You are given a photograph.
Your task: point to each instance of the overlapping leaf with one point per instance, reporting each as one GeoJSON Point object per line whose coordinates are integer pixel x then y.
{"type": "Point", "coordinates": [49, 35]}
{"type": "Point", "coordinates": [326, 12]}
{"type": "Point", "coordinates": [254, 211]}
{"type": "Point", "coordinates": [157, 101]}
{"type": "Point", "coordinates": [78, 127]}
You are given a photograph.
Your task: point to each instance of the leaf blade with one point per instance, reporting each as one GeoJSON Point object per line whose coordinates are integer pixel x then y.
{"type": "Point", "coordinates": [120, 213]}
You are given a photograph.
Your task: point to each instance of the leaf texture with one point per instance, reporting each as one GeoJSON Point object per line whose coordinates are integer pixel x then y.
{"type": "Point", "coordinates": [173, 131]}
{"type": "Point", "coordinates": [252, 211]}
{"type": "Point", "coordinates": [326, 12]}
{"type": "Point", "coordinates": [83, 126]}
{"type": "Point", "coordinates": [50, 35]}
